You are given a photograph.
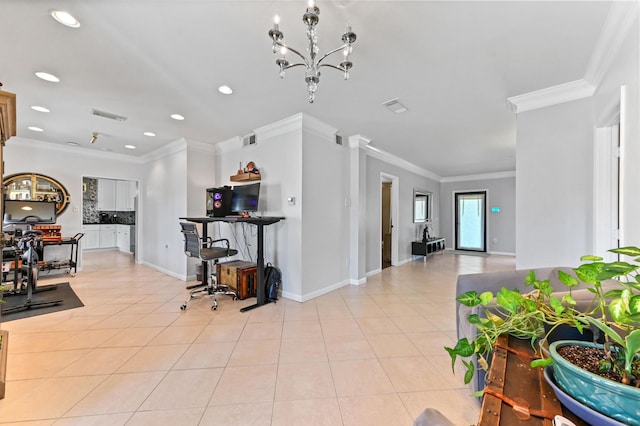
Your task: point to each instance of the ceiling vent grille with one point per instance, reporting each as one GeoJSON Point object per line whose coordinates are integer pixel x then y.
{"type": "Point", "coordinates": [395, 106]}
{"type": "Point", "coordinates": [250, 139]}
{"type": "Point", "coordinates": [338, 139]}
{"type": "Point", "coordinates": [108, 115]}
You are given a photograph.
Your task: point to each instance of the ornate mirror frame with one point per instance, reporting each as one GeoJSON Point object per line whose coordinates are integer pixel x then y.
{"type": "Point", "coordinates": [34, 186]}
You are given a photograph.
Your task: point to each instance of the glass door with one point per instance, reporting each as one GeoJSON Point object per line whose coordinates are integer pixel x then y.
{"type": "Point", "coordinates": [470, 216]}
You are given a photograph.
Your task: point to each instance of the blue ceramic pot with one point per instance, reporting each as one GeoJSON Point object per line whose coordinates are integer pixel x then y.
{"type": "Point", "coordinates": [618, 401]}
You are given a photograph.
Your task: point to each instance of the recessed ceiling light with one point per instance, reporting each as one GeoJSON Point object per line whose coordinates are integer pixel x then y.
{"type": "Point", "coordinates": [177, 117]}
{"type": "Point", "coordinates": [65, 18]}
{"type": "Point", "coordinates": [35, 129]}
{"type": "Point", "coordinates": [73, 143]}
{"type": "Point", "coordinates": [130, 146]}
{"type": "Point", "coordinates": [40, 108]}
{"type": "Point", "coordinates": [149, 134]}
{"type": "Point", "coordinates": [225, 90]}
{"type": "Point", "coordinates": [47, 76]}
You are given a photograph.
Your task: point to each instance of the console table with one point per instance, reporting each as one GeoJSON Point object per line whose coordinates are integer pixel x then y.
{"type": "Point", "coordinates": [260, 223]}
{"type": "Point", "coordinates": [425, 248]}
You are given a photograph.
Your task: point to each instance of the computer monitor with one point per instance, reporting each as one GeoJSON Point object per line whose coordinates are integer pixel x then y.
{"type": "Point", "coordinates": [245, 198]}
{"type": "Point", "coordinates": [29, 212]}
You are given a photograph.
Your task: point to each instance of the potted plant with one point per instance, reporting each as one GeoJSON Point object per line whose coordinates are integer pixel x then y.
{"type": "Point", "coordinates": [618, 359]}
{"type": "Point", "coordinates": [536, 314]}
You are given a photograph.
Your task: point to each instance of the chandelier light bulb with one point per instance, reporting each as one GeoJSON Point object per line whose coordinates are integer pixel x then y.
{"type": "Point", "coordinates": [276, 19]}
{"type": "Point", "coordinates": [283, 50]}
{"type": "Point", "coordinates": [311, 4]}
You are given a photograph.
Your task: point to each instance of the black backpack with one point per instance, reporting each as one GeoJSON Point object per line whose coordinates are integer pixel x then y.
{"type": "Point", "coordinates": [272, 281]}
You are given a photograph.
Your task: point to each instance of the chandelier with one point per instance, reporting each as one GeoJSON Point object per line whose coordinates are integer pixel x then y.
{"type": "Point", "coordinates": [312, 64]}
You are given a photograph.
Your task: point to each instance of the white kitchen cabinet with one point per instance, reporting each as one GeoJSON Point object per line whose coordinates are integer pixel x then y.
{"type": "Point", "coordinates": [125, 193]}
{"type": "Point", "coordinates": [106, 195]}
{"type": "Point", "coordinates": [123, 237]}
{"type": "Point", "coordinates": [91, 238]}
{"type": "Point", "coordinates": [108, 236]}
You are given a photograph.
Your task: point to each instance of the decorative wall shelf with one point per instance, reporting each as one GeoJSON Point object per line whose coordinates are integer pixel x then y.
{"type": "Point", "coordinates": [244, 177]}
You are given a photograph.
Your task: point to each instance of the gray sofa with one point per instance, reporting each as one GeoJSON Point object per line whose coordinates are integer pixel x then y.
{"type": "Point", "coordinates": [494, 281]}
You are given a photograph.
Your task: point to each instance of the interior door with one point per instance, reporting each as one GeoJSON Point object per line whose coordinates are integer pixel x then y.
{"type": "Point", "coordinates": [387, 227]}
{"type": "Point", "coordinates": [470, 218]}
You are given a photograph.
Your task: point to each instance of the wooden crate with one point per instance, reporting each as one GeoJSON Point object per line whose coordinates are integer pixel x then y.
{"type": "Point", "coordinates": [240, 276]}
{"type": "Point", "coordinates": [511, 375]}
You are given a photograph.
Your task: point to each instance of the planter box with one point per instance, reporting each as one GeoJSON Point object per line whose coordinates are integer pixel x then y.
{"type": "Point", "coordinates": [4, 350]}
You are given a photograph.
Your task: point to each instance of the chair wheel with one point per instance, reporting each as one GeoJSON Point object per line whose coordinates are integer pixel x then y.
{"type": "Point", "coordinates": [235, 297]}
{"type": "Point", "coordinates": [214, 308]}
{"type": "Point", "coordinates": [183, 307]}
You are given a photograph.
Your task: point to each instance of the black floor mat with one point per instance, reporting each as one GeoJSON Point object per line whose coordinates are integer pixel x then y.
{"type": "Point", "coordinates": [62, 292]}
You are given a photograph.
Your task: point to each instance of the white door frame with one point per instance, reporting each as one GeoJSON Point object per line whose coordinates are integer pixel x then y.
{"type": "Point", "coordinates": [395, 196]}
{"type": "Point", "coordinates": [606, 186]}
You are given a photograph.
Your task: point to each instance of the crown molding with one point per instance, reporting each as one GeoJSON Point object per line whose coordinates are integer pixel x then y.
{"type": "Point", "coordinates": [77, 150]}
{"type": "Point", "coordinates": [359, 141]}
{"type": "Point", "coordinates": [397, 161]}
{"type": "Point", "coordinates": [485, 176]}
{"type": "Point", "coordinates": [622, 15]}
{"type": "Point", "coordinates": [555, 95]}
{"type": "Point", "coordinates": [201, 146]}
{"type": "Point", "coordinates": [281, 127]}
{"type": "Point", "coordinates": [318, 127]}
{"type": "Point", "coordinates": [614, 32]}
{"type": "Point", "coordinates": [170, 149]}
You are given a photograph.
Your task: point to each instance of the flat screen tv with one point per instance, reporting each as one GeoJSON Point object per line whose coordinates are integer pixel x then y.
{"type": "Point", "coordinates": [245, 198]}
{"type": "Point", "coordinates": [29, 212]}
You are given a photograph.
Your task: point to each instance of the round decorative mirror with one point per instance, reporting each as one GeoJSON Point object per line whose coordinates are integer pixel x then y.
{"type": "Point", "coordinates": [37, 187]}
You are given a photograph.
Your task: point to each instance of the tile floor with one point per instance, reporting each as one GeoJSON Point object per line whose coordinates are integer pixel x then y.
{"type": "Point", "coordinates": [362, 355]}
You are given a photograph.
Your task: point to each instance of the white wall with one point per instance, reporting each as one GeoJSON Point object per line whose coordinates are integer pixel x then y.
{"type": "Point", "coordinates": [554, 185]}
{"type": "Point", "coordinates": [68, 165]}
{"type": "Point", "coordinates": [278, 156]}
{"type": "Point", "coordinates": [407, 230]}
{"type": "Point", "coordinates": [164, 197]}
{"type": "Point", "coordinates": [501, 192]}
{"type": "Point", "coordinates": [624, 72]}
{"type": "Point", "coordinates": [555, 181]}
{"type": "Point", "coordinates": [325, 224]}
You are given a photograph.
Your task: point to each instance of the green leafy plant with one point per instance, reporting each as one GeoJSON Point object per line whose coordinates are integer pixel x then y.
{"type": "Point", "coordinates": [535, 314]}
{"type": "Point", "coordinates": [619, 309]}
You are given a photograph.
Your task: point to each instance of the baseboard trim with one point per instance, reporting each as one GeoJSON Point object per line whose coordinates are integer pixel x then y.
{"type": "Point", "coordinates": [168, 272]}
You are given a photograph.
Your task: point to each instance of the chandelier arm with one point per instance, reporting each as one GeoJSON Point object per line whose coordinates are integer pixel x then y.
{"type": "Point", "coordinates": [294, 51]}
{"type": "Point", "coordinates": [299, 64]}
{"type": "Point", "coordinates": [332, 66]}
{"type": "Point", "coordinates": [337, 49]}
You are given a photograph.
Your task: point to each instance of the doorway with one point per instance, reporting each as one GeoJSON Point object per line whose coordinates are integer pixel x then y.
{"type": "Point", "coordinates": [470, 221]}
{"type": "Point", "coordinates": [389, 195]}
{"type": "Point", "coordinates": [387, 227]}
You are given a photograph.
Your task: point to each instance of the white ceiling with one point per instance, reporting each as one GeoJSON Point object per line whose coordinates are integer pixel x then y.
{"type": "Point", "coordinates": [451, 63]}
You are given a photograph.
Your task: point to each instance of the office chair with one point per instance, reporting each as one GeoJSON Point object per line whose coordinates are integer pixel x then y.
{"type": "Point", "coordinates": [193, 247]}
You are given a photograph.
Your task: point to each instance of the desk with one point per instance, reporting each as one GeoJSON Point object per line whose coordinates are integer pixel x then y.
{"type": "Point", "coordinates": [260, 222]}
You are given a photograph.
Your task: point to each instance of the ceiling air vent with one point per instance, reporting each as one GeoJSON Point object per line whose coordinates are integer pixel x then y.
{"type": "Point", "coordinates": [394, 105]}
{"type": "Point", "coordinates": [338, 139]}
{"type": "Point", "coordinates": [249, 139]}
{"type": "Point", "coordinates": [109, 115]}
